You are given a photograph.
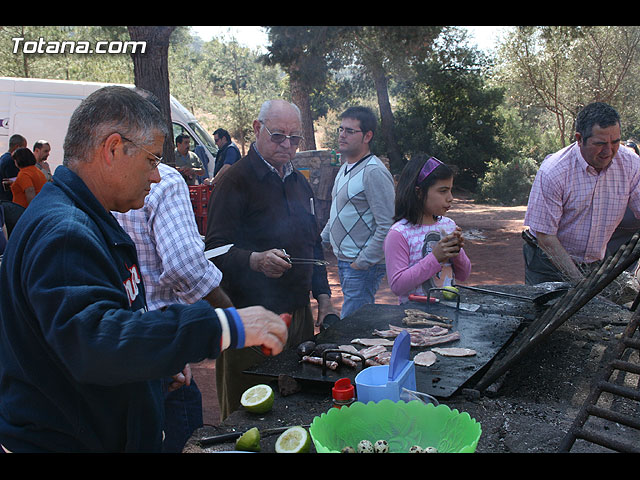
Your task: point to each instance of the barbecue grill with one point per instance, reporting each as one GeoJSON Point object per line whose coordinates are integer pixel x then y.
{"type": "Point", "coordinates": [486, 333]}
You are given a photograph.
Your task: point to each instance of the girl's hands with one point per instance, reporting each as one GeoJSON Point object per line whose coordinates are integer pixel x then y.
{"type": "Point", "coordinates": [449, 246]}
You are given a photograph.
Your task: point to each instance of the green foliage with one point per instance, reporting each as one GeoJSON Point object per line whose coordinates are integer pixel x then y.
{"type": "Point", "coordinates": [508, 183]}
{"type": "Point", "coordinates": [224, 84]}
{"type": "Point", "coordinates": [494, 118]}
{"type": "Point", "coordinates": [115, 68]}
{"type": "Point", "coordinates": [452, 114]}
{"type": "Point", "coordinates": [559, 69]}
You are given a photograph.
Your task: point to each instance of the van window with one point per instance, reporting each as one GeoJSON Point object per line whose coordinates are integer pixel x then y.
{"type": "Point", "coordinates": [204, 138]}
{"type": "Point", "coordinates": [209, 143]}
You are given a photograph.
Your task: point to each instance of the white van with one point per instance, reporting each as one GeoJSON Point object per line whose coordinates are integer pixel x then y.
{"type": "Point", "coordinates": [40, 109]}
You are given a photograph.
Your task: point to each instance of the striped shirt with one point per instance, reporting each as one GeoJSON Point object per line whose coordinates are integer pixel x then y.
{"type": "Point", "coordinates": [581, 206]}
{"type": "Point", "coordinates": [170, 248]}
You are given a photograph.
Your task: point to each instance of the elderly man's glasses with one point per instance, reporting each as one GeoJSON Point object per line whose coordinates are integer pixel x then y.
{"type": "Point", "coordinates": [156, 159]}
{"type": "Point", "coordinates": [281, 137]}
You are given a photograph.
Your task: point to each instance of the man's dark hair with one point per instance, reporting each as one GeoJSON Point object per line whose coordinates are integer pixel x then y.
{"type": "Point", "coordinates": [180, 138]}
{"type": "Point", "coordinates": [597, 113]}
{"type": "Point", "coordinates": [16, 140]}
{"type": "Point", "coordinates": [40, 144]}
{"type": "Point", "coordinates": [222, 133]}
{"type": "Point", "coordinates": [365, 115]}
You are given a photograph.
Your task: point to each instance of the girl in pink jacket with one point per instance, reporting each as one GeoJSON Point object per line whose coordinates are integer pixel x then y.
{"type": "Point", "coordinates": [424, 249]}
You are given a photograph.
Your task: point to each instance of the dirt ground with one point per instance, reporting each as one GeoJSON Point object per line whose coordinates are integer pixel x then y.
{"type": "Point", "coordinates": [492, 241]}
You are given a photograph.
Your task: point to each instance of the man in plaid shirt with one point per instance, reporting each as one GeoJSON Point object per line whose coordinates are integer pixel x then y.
{"type": "Point", "coordinates": [578, 198]}
{"type": "Point", "coordinates": [174, 270]}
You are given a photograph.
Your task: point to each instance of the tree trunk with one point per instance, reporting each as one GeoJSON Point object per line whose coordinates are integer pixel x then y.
{"type": "Point", "coordinates": [151, 72]}
{"type": "Point", "coordinates": [300, 96]}
{"type": "Point", "coordinates": [381, 82]}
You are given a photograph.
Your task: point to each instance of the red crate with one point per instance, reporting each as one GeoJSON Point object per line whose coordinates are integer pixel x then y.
{"type": "Point", "coordinates": [200, 198]}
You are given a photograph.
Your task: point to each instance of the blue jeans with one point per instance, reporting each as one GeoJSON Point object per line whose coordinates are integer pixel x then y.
{"type": "Point", "coordinates": [182, 415]}
{"type": "Point", "coordinates": [359, 287]}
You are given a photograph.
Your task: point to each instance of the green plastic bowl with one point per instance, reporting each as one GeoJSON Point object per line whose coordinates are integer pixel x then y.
{"type": "Point", "coordinates": [401, 424]}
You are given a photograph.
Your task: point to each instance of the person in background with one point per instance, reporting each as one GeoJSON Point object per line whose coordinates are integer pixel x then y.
{"type": "Point", "coordinates": [187, 162]}
{"type": "Point", "coordinates": [8, 169]}
{"type": "Point", "coordinates": [578, 198]}
{"type": "Point", "coordinates": [174, 270]}
{"type": "Point", "coordinates": [228, 153]}
{"type": "Point", "coordinates": [264, 207]}
{"type": "Point", "coordinates": [424, 248]}
{"type": "Point", "coordinates": [81, 355]}
{"type": "Point", "coordinates": [629, 223]}
{"type": "Point", "coordinates": [41, 150]}
{"type": "Point", "coordinates": [361, 211]}
{"type": "Point", "coordinates": [206, 177]}
{"type": "Point", "coordinates": [30, 179]}
{"type": "Point", "coordinates": [3, 232]}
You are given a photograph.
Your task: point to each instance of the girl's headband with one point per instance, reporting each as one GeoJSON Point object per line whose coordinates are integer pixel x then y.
{"type": "Point", "coordinates": [428, 167]}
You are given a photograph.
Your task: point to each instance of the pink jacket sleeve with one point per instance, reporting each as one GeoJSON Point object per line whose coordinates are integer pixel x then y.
{"type": "Point", "coordinates": [403, 278]}
{"type": "Point", "coordinates": [462, 266]}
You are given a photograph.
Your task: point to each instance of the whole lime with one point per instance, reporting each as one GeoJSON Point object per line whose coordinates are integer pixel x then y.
{"type": "Point", "coordinates": [450, 293]}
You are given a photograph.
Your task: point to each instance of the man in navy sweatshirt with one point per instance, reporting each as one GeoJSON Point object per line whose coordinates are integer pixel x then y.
{"type": "Point", "coordinates": [81, 357]}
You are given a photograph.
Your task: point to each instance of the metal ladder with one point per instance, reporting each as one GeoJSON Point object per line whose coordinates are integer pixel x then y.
{"type": "Point", "coordinates": [612, 408]}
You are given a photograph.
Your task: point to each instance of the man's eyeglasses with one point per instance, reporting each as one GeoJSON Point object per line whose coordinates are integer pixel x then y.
{"type": "Point", "coordinates": [348, 131]}
{"type": "Point", "coordinates": [281, 137]}
{"type": "Point", "coordinates": [154, 163]}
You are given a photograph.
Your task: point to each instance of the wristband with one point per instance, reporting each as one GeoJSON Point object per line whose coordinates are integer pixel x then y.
{"type": "Point", "coordinates": [225, 337]}
{"type": "Point", "coordinates": [239, 326]}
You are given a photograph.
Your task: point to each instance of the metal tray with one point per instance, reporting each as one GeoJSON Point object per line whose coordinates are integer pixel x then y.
{"type": "Point", "coordinates": [485, 333]}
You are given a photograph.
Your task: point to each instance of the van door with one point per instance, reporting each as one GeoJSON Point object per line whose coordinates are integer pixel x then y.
{"type": "Point", "coordinates": [5, 111]}
{"type": "Point", "coordinates": [201, 144]}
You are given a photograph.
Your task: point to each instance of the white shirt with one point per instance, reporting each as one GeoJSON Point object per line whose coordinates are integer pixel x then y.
{"type": "Point", "coordinates": [170, 248]}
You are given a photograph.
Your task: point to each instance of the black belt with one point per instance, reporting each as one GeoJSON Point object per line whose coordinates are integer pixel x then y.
{"type": "Point", "coordinates": [529, 238]}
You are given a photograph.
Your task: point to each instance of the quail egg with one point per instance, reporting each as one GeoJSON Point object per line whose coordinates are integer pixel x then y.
{"type": "Point", "coordinates": [365, 446]}
{"type": "Point", "coordinates": [381, 446]}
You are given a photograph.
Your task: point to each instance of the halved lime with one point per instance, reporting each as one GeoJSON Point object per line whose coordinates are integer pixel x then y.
{"type": "Point", "coordinates": [249, 441]}
{"type": "Point", "coordinates": [294, 440]}
{"type": "Point", "coordinates": [258, 399]}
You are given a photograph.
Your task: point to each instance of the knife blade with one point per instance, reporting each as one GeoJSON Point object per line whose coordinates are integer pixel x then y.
{"type": "Point", "coordinates": [226, 437]}
{"type": "Point", "coordinates": [216, 252]}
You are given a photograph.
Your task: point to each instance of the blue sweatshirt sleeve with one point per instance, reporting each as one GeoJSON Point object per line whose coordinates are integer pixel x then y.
{"type": "Point", "coordinates": [77, 300]}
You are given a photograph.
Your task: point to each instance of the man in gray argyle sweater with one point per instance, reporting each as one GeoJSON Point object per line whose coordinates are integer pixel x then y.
{"type": "Point", "coordinates": [361, 213]}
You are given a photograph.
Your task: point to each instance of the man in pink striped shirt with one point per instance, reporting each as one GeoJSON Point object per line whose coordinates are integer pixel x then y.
{"type": "Point", "coordinates": [579, 197]}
